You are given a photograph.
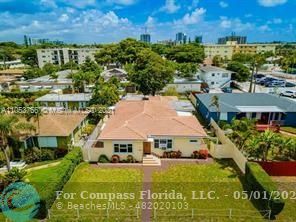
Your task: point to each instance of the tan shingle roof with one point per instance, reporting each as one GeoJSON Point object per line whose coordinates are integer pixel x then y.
{"type": "Point", "coordinates": [137, 120]}
{"type": "Point", "coordinates": [59, 124]}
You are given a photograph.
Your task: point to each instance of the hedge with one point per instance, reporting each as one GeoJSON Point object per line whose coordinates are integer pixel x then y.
{"type": "Point", "coordinates": [65, 170]}
{"type": "Point", "coordinates": [258, 180]}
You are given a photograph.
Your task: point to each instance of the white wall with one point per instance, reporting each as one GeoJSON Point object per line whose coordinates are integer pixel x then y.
{"type": "Point", "coordinates": [227, 149]}
{"type": "Point", "coordinates": [215, 79]}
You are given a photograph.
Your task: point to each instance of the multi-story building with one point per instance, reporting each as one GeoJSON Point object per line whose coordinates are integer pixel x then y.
{"type": "Point", "coordinates": [233, 37]}
{"type": "Point", "coordinates": [60, 56]}
{"type": "Point", "coordinates": [198, 39]}
{"type": "Point", "coordinates": [145, 38]}
{"type": "Point", "coordinates": [230, 48]}
{"type": "Point", "coordinates": [215, 77]}
{"type": "Point", "coordinates": [181, 38]}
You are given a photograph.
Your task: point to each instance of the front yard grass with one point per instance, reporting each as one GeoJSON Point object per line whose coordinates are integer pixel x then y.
{"type": "Point", "coordinates": [287, 184]}
{"type": "Point", "coordinates": [289, 129]}
{"type": "Point", "coordinates": [88, 183]}
{"type": "Point", "coordinates": [222, 178]}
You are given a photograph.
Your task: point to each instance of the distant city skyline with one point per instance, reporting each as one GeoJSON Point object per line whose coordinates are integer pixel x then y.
{"type": "Point", "coordinates": [105, 21]}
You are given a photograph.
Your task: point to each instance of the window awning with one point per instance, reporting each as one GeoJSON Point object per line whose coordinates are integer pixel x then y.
{"type": "Point", "coordinates": [260, 109]}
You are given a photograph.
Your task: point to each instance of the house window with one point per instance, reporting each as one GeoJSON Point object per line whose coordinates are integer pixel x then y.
{"type": "Point", "coordinates": [225, 75]}
{"type": "Point", "coordinates": [163, 144]}
{"type": "Point", "coordinates": [212, 83]}
{"type": "Point", "coordinates": [193, 141]}
{"type": "Point", "coordinates": [213, 74]}
{"type": "Point", "coordinates": [99, 144]}
{"type": "Point", "coordinates": [123, 148]}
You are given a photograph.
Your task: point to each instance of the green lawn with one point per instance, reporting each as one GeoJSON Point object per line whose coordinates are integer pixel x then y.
{"type": "Point", "coordinates": [87, 185]}
{"type": "Point", "coordinates": [289, 129]}
{"type": "Point", "coordinates": [222, 178]}
{"type": "Point", "coordinates": [287, 184]}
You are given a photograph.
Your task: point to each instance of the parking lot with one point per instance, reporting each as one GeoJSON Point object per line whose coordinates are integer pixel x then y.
{"type": "Point", "coordinates": [291, 85]}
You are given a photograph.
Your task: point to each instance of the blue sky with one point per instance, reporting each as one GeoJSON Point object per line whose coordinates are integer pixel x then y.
{"type": "Point", "coordinates": [102, 21]}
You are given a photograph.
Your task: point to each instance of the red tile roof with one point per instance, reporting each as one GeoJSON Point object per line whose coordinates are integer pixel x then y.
{"type": "Point", "coordinates": [137, 120]}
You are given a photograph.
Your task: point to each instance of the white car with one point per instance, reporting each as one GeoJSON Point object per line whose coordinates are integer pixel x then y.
{"type": "Point", "coordinates": [289, 93]}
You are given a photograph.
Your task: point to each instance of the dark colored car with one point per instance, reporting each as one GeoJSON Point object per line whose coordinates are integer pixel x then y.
{"type": "Point", "coordinates": [227, 90]}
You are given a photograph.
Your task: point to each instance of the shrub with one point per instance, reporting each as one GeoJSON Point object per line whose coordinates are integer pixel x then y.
{"type": "Point", "coordinates": [172, 154]}
{"type": "Point", "coordinates": [65, 170]}
{"type": "Point", "coordinates": [32, 155]}
{"type": "Point", "coordinates": [103, 159]}
{"type": "Point", "coordinates": [47, 154]}
{"type": "Point", "coordinates": [61, 152]}
{"type": "Point", "coordinates": [14, 175]}
{"type": "Point", "coordinates": [200, 154]}
{"type": "Point", "coordinates": [115, 159]}
{"type": "Point", "coordinates": [130, 159]}
{"type": "Point", "coordinates": [203, 154]}
{"type": "Point", "coordinates": [258, 180]}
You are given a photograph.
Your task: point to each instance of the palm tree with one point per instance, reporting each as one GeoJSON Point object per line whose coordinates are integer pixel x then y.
{"type": "Point", "coordinates": [9, 126]}
{"type": "Point", "coordinates": [216, 103]}
{"type": "Point", "coordinates": [34, 112]}
{"type": "Point", "coordinates": [257, 61]}
{"type": "Point", "coordinates": [266, 143]}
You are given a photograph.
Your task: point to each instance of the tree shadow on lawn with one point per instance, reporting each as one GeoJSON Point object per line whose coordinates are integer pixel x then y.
{"type": "Point", "coordinates": [229, 164]}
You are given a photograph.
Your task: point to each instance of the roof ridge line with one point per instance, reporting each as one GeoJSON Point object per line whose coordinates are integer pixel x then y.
{"type": "Point", "coordinates": [174, 118]}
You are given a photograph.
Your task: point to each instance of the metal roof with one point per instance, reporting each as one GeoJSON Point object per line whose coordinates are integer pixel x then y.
{"type": "Point", "coordinates": [231, 102]}
{"type": "Point", "coordinates": [213, 69]}
{"type": "Point", "coordinates": [79, 97]}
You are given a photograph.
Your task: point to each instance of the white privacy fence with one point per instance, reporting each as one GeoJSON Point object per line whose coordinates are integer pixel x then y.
{"type": "Point", "coordinates": [227, 148]}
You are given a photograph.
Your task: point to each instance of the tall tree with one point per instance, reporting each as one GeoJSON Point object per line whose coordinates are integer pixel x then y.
{"type": "Point", "coordinates": [151, 72]}
{"type": "Point", "coordinates": [10, 125]}
{"type": "Point", "coordinates": [215, 102]}
{"type": "Point", "coordinates": [187, 53]}
{"type": "Point", "coordinates": [257, 61]}
{"type": "Point", "coordinates": [242, 72]}
{"type": "Point", "coordinates": [29, 57]}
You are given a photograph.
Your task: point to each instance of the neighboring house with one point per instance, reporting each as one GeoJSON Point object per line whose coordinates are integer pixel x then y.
{"type": "Point", "coordinates": [215, 77]}
{"type": "Point", "coordinates": [185, 85]}
{"type": "Point", "coordinates": [143, 127]}
{"type": "Point", "coordinates": [60, 56]}
{"type": "Point", "coordinates": [13, 64]}
{"type": "Point", "coordinates": [47, 83]}
{"type": "Point", "coordinates": [263, 107]}
{"type": "Point", "coordinates": [15, 73]}
{"type": "Point", "coordinates": [57, 130]}
{"type": "Point", "coordinates": [120, 74]}
{"type": "Point", "coordinates": [67, 101]}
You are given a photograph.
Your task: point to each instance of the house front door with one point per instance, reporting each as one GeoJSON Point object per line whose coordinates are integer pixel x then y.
{"type": "Point", "coordinates": [147, 147]}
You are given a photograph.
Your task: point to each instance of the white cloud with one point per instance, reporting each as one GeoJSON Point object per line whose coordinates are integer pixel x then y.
{"type": "Point", "coordinates": [223, 4]}
{"type": "Point", "coordinates": [150, 21]}
{"type": "Point", "coordinates": [64, 18]}
{"type": "Point", "coordinates": [122, 2]}
{"type": "Point", "coordinates": [192, 18]}
{"type": "Point", "coordinates": [271, 3]}
{"type": "Point", "coordinates": [194, 4]}
{"type": "Point", "coordinates": [235, 24]}
{"type": "Point", "coordinates": [264, 28]}
{"type": "Point", "coordinates": [81, 3]}
{"type": "Point", "coordinates": [48, 3]}
{"type": "Point", "coordinates": [170, 6]}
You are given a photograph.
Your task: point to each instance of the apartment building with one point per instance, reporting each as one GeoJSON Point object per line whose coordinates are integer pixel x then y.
{"type": "Point", "coordinates": [215, 77]}
{"type": "Point", "coordinates": [231, 47]}
{"type": "Point", "coordinates": [60, 56]}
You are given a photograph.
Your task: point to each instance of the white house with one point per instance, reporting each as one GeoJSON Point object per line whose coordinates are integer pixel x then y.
{"type": "Point", "coordinates": [67, 101]}
{"type": "Point", "coordinates": [46, 83]}
{"type": "Point", "coordinates": [215, 77]}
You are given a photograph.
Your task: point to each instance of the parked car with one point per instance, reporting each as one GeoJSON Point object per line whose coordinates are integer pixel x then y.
{"type": "Point", "coordinates": [259, 76]}
{"type": "Point", "coordinates": [264, 80]}
{"type": "Point", "coordinates": [276, 83]}
{"type": "Point", "coordinates": [227, 90]}
{"type": "Point", "coordinates": [289, 93]}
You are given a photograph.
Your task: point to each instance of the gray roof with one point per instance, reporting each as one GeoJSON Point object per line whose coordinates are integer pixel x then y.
{"type": "Point", "coordinates": [232, 102]}
{"type": "Point", "coordinates": [213, 69]}
{"type": "Point", "coordinates": [79, 97]}
{"type": "Point", "coordinates": [183, 106]}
